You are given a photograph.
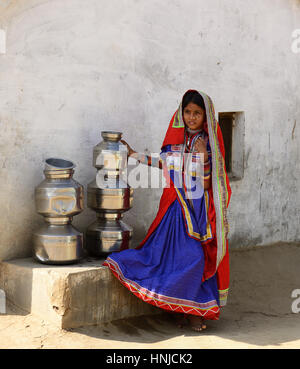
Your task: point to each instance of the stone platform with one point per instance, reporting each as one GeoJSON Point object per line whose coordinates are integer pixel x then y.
{"type": "Point", "coordinates": [69, 296]}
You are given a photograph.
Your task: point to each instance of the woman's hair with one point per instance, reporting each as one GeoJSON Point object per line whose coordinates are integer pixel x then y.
{"type": "Point", "coordinates": [192, 97]}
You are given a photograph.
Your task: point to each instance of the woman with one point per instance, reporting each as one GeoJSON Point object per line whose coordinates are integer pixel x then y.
{"type": "Point", "coordinates": [182, 264]}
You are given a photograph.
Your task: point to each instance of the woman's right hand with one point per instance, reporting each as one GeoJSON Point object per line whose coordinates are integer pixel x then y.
{"type": "Point", "coordinates": [130, 150]}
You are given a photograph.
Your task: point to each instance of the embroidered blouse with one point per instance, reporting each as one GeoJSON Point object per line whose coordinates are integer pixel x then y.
{"type": "Point", "coordinates": [157, 162]}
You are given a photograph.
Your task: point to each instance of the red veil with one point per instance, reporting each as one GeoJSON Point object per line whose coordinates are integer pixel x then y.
{"type": "Point", "coordinates": [215, 249]}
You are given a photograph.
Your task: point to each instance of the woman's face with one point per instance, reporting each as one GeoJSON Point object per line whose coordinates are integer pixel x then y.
{"type": "Point", "coordinates": [194, 116]}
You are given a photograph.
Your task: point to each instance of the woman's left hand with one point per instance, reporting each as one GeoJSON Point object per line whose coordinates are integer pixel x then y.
{"type": "Point", "coordinates": [200, 146]}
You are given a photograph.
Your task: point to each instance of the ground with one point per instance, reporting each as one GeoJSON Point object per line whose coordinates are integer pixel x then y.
{"type": "Point", "coordinates": [234, 330]}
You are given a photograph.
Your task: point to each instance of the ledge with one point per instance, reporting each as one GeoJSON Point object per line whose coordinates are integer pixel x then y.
{"type": "Point", "coordinates": [69, 296]}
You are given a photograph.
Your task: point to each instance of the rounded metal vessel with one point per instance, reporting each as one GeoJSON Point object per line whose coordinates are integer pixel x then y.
{"type": "Point", "coordinates": [110, 196]}
{"type": "Point", "coordinates": [58, 198]}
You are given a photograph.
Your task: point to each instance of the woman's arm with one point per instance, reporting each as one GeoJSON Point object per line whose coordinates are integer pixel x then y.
{"type": "Point", "coordinates": [200, 147]}
{"type": "Point", "coordinates": [207, 175]}
{"type": "Point", "coordinates": [147, 159]}
{"type": "Point", "coordinates": [143, 158]}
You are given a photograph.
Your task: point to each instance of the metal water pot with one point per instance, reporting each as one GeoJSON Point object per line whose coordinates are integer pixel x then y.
{"type": "Point", "coordinates": [58, 198]}
{"type": "Point", "coordinates": [110, 196]}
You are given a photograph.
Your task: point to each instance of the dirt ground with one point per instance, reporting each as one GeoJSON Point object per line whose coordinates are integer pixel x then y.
{"type": "Point", "coordinates": [234, 330]}
{"type": "Point", "coordinates": [258, 315]}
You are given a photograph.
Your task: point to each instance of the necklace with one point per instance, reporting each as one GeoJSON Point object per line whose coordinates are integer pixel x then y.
{"type": "Point", "coordinates": [192, 131]}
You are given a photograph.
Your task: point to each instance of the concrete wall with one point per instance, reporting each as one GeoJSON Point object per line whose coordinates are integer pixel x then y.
{"type": "Point", "coordinates": [73, 68]}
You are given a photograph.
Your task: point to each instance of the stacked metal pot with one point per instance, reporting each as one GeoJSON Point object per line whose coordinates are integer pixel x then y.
{"type": "Point", "coordinates": [59, 197]}
{"type": "Point", "coordinates": [110, 196]}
